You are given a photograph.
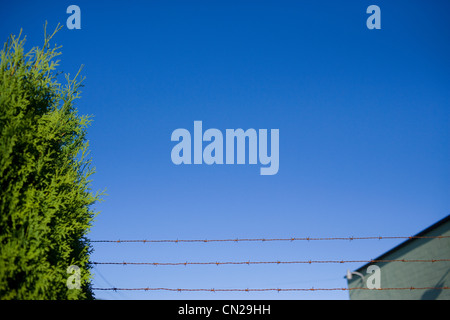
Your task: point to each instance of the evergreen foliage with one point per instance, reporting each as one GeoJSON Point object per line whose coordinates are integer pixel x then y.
{"type": "Point", "coordinates": [45, 196]}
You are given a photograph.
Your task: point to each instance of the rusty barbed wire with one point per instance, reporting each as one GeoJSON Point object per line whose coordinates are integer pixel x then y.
{"type": "Point", "coordinates": [270, 262]}
{"type": "Point", "coordinates": [269, 239]}
{"type": "Point", "coordinates": [265, 289]}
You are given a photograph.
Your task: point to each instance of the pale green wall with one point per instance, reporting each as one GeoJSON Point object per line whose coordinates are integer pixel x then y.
{"type": "Point", "coordinates": [412, 274]}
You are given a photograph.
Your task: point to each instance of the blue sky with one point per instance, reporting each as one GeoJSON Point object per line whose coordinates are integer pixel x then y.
{"type": "Point", "coordinates": [363, 117]}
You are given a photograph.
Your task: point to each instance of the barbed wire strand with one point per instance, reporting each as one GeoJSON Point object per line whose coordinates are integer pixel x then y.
{"type": "Point", "coordinates": [270, 239]}
{"type": "Point", "coordinates": [270, 262]}
{"type": "Point", "coordinates": [266, 289]}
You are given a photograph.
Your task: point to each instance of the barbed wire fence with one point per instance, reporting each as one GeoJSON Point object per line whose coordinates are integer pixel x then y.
{"type": "Point", "coordinates": [269, 239]}
{"type": "Point", "coordinates": [218, 263]}
{"type": "Point", "coordinates": [265, 289]}
{"type": "Point", "coordinates": [275, 262]}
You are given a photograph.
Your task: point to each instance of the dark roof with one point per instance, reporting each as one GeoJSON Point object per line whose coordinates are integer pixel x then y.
{"type": "Point", "coordinates": [407, 242]}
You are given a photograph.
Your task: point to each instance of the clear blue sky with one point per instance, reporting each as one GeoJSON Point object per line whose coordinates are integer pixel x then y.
{"type": "Point", "coordinates": [363, 118]}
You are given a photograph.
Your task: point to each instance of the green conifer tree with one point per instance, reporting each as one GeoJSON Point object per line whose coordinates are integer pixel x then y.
{"type": "Point", "coordinates": [45, 194]}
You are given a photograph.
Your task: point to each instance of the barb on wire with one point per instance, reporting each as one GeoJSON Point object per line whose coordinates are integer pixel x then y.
{"type": "Point", "coordinates": [270, 239]}
{"type": "Point", "coordinates": [268, 262]}
{"type": "Point", "coordinates": [265, 289]}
